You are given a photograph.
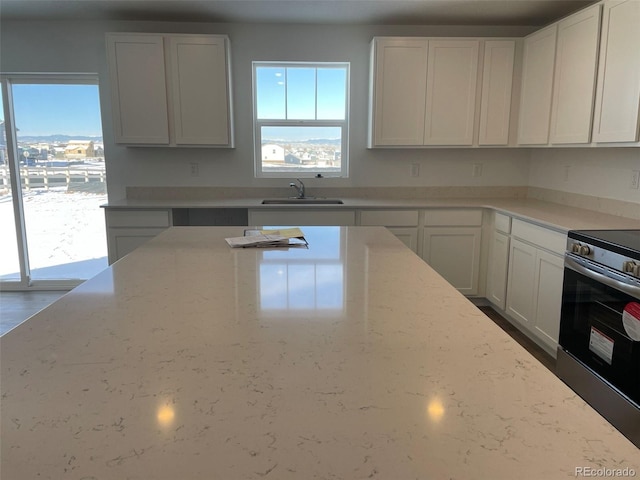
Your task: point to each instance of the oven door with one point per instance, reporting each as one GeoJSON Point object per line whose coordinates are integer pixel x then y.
{"type": "Point", "coordinates": [594, 327]}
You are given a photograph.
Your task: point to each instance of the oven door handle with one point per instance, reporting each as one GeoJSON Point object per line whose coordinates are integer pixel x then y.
{"type": "Point", "coordinates": [603, 276]}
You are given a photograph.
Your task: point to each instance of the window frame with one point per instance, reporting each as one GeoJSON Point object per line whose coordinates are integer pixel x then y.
{"type": "Point", "coordinates": [25, 280]}
{"type": "Point", "coordinates": [342, 124]}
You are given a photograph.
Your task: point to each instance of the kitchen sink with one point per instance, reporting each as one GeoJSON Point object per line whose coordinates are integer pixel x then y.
{"type": "Point", "coordinates": [302, 201]}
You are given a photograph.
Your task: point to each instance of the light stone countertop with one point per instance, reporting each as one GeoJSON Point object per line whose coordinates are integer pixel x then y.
{"type": "Point", "coordinates": [189, 360]}
{"type": "Point", "coordinates": [548, 214]}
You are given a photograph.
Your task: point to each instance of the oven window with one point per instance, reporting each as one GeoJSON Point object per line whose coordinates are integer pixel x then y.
{"type": "Point", "coordinates": [591, 329]}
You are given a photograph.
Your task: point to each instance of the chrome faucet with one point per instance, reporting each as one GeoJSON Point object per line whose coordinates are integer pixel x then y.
{"type": "Point", "coordinates": [299, 189]}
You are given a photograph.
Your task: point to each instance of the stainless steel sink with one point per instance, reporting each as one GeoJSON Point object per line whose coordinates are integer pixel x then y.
{"type": "Point", "coordinates": [302, 201]}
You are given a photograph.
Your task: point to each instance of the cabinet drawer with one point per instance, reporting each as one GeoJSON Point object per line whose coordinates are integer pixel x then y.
{"type": "Point", "coordinates": [138, 218]}
{"type": "Point", "coordinates": [389, 218]}
{"type": "Point", "coordinates": [540, 236]}
{"type": "Point", "coordinates": [453, 217]}
{"type": "Point", "coordinates": [502, 223]}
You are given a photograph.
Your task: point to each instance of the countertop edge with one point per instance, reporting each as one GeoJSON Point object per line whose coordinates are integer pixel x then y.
{"type": "Point", "coordinates": [550, 215]}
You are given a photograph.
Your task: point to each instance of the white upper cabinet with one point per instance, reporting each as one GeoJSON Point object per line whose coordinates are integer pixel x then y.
{"type": "Point", "coordinates": [425, 92]}
{"type": "Point", "coordinates": [138, 88]}
{"type": "Point", "coordinates": [537, 86]}
{"type": "Point", "coordinates": [452, 72]}
{"type": "Point", "coordinates": [497, 80]}
{"type": "Point", "coordinates": [618, 85]}
{"type": "Point", "coordinates": [200, 86]}
{"type": "Point", "coordinates": [575, 77]}
{"type": "Point", "coordinates": [399, 74]}
{"type": "Point", "coordinates": [170, 89]}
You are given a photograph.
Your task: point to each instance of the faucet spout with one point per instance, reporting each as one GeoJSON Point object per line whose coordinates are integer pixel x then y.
{"type": "Point", "coordinates": [299, 188]}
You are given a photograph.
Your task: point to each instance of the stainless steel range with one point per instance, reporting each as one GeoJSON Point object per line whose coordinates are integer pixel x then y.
{"type": "Point", "coordinates": [599, 344]}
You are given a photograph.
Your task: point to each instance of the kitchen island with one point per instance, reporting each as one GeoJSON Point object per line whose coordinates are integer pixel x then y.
{"type": "Point", "coordinates": [350, 359]}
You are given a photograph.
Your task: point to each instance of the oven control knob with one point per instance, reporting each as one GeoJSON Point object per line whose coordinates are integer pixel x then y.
{"type": "Point", "coordinates": [584, 250]}
{"type": "Point", "coordinates": [575, 248]}
{"type": "Point", "coordinates": [632, 268]}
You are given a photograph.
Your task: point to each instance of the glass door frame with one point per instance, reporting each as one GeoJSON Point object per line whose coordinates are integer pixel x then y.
{"type": "Point", "coordinates": [26, 282]}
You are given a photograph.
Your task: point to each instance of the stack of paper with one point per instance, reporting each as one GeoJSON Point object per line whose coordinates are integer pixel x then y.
{"type": "Point", "coordinates": [288, 237]}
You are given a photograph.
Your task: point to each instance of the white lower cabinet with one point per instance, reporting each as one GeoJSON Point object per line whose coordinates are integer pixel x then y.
{"type": "Point", "coordinates": [402, 223]}
{"type": "Point", "coordinates": [548, 297]}
{"type": "Point", "coordinates": [127, 229]}
{"type": "Point", "coordinates": [497, 270]}
{"type": "Point", "coordinates": [407, 235]}
{"type": "Point", "coordinates": [498, 264]}
{"type": "Point", "coordinates": [451, 246]}
{"type": "Point", "coordinates": [534, 286]}
{"type": "Point", "coordinates": [454, 252]}
{"type": "Point", "coordinates": [522, 267]}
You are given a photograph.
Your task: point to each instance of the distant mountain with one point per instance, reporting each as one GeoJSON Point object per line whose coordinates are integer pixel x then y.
{"type": "Point", "coordinates": [57, 138]}
{"type": "Point", "coordinates": [314, 141]}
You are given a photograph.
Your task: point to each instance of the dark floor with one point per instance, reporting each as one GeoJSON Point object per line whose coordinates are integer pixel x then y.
{"type": "Point", "coordinates": [16, 307]}
{"type": "Point", "coordinates": [537, 352]}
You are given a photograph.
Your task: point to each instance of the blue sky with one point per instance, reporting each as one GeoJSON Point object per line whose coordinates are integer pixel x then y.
{"type": "Point", "coordinates": [56, 109]}
{"type": "Point", "coordinates": [293, 93]}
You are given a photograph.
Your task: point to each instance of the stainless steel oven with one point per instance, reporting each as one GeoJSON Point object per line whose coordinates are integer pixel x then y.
{"type": "Point", "coordinates": [599, 343]}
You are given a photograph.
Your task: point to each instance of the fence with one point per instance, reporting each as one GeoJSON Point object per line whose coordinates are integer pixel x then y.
{"type": "Point", "coordinates": [44, 177]}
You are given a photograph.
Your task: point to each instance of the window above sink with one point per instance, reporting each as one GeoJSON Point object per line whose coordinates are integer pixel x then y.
{"type": "Point", "coordinates": [301, 119]}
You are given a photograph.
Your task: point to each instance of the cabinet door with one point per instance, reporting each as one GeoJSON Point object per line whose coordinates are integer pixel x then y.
{"type": "Point", "coordinates": [398, 91]}
{"type": "Point", "coordinates": [454, 252]}
{"type": "Point", "coordinates": [407, 235]}
{"type": "Point", "coordinates": [498, 268]}
{"type": "Point", "coordinates": [618, 90]}
{"type": "Point", "coordinates": [495, 103]}
{"type": "Point", "coordinates": [522, 268]}
{"type": "Point", "coordinates": [122, 241]}
{"type": "Point", "coordinates": [548, 297]}
{"type": "Point", "coordinates": [139, 94]}
{"type": "Point", "coordinates": [200, 86]}
{"type": "Point", "coordinates": [537, 86]}
{"type": "Point", "coordinates": [575, 77]}
{"type": "Point", "coordinates": [452, 73]}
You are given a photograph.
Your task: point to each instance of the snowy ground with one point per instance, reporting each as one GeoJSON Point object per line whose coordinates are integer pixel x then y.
{"type": "Point", "coordinates": [65, 234]}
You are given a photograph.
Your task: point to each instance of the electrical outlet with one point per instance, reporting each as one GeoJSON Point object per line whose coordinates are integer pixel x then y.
{"type": "Point", "coordinates": [415, 170]}
{"type": "Point", "coordinates": [194, 169]}
{"type": "Point", "coordinates": [477, 170]}
{"type": "Point", "coordinates": [635, 179]}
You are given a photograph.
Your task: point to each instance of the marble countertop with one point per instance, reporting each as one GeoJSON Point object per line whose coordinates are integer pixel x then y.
{"type": "Point", "coordinates": [351, 359]}
{"type": "Point", "coordinates": [548, 214]}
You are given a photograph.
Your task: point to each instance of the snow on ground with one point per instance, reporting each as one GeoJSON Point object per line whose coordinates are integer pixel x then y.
{"type": "Point", "coordinates": [65, 234]}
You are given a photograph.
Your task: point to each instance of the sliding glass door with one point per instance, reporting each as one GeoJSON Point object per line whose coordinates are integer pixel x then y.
{"type": "Point", "coordinates": [54, 181]}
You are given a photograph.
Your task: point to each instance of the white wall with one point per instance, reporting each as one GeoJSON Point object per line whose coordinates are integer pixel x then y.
{"type": "Point", "coordinates": [600, 172]}
{"type": "Point", "coordinates": [80, 47]}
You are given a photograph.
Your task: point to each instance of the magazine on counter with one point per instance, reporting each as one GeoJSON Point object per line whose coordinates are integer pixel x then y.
{"type": "Point", "coordinates": [285, 237]}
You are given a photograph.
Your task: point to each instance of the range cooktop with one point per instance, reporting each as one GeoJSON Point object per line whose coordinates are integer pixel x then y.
{"type": "Point", "coordinates": [623, 242]}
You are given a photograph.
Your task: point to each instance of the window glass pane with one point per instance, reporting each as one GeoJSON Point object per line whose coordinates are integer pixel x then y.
{"type": "Point", "coordinates": [301, 118]}
{"type": "Point", "coordinates": [300, 149]}
{"type": "Point", "coordinates": [270, 92]}
{"type": "Point", "coordinates": [9, 260]}
{"type": "Point", "coordinates": [332, 88]}
{"type": "Point", "coordinates": [62, 171]}
{"type": "Point", "coordinates": [301, 93]}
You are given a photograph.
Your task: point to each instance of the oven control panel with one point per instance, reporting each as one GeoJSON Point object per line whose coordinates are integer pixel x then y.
{"type": "Point", "coordinates": [602, 256]}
